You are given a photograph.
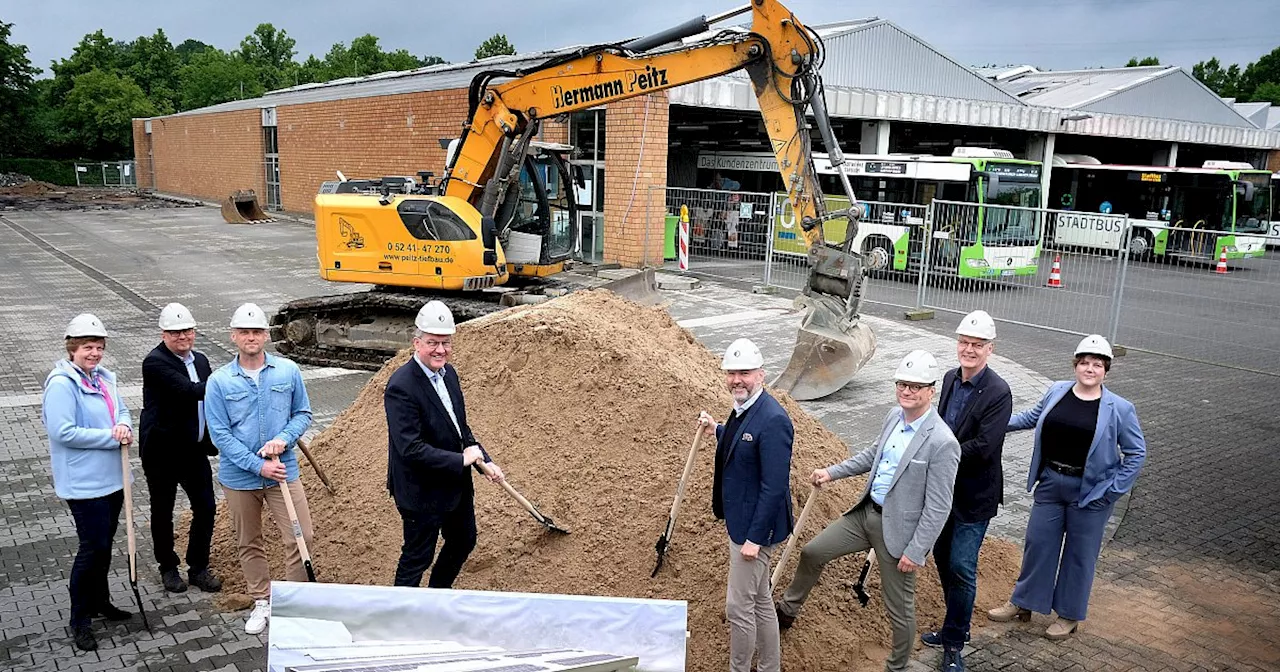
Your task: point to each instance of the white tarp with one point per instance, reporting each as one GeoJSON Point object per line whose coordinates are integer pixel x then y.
{"type": "Point", "coordinates": [655, 631]}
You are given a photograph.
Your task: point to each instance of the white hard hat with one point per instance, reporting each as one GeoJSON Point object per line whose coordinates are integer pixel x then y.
{"type": "Point", "coordinates": [435, 318]}
{"type": "Point", "coordinates": [1094, 345]}
{"type": "Point", "coordinates": [742, 355]}
{"type": "Point", "coordinates": [176, 317]}
{"type": "Point", "coordinates": [917, 367]}
{"type": "Point", "coordinates": [978, 324]}
{"type": "Point", "coordinates": [86, 325]}
{"type": "Point", "coordinates": [249, 316]}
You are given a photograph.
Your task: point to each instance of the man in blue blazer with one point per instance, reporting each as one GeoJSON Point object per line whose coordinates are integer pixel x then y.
{"type": "Point", "coordinates": [752, 494]}
{"type": "Point", "coordinates": [430, 454]}
{"type": "Point", "coordinates": [976, 403]}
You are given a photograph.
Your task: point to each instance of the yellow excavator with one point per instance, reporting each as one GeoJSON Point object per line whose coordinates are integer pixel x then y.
{"type": "Point", "coordinates": [503, 213]}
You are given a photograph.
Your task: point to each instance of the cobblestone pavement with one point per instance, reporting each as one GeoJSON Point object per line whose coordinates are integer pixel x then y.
{"type": "Point", "coordinates": [1191, 580]}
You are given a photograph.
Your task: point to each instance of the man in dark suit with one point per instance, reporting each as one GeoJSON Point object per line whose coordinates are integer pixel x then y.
{"type": "Point", "coordinates": [175, 448]}
{"type": "Point", "coordinates": [751, 492]}
{"type": "Point", "coordinates": [431, 452]}
{"type": "Point", "coordinates": [976, 404]}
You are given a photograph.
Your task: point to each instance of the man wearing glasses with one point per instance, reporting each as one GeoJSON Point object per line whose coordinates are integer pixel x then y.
{"type": "Point", "coordinates": [976, 403]}
{"type": "Point", "coordinates": [431, 452]}
{"type": "Point", "coordinates": [175, 447]}
{"type": "Point", "coordinates": [902, 509]}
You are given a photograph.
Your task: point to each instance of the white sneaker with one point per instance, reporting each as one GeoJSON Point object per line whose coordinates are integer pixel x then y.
{"type": "Point", "coordinates": [258, 617]}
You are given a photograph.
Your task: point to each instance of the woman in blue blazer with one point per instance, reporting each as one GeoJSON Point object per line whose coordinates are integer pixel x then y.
{"type": "Point", "coordinates": [1088, 451]}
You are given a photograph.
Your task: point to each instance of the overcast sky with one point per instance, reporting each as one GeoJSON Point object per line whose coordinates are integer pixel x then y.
{"type": "Point", "coordinates": [1055, 34]}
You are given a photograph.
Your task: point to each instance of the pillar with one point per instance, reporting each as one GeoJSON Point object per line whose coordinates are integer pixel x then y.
{"type": "Point", "coordinates": [635, 180]}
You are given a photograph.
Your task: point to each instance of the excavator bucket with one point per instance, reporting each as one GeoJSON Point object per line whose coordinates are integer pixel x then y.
{"type": "Point", "coordinates": [640, 287]}
{"type": "Point", "coordinates": [241, 207]}
{"type": "Point", "coordinates": [827, 354]}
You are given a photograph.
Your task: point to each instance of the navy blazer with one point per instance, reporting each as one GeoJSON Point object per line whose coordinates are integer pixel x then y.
{"type": "Point", "coordinates": [756, 476]}
{"type": "Point", "coordinates": [424, 451]}
{"type": "Point", "coordinates": [170, 418]}
{"type": "Point", "coordinates": [980, 430]}
{"type": "Point", "coordinates": [1116, 454]}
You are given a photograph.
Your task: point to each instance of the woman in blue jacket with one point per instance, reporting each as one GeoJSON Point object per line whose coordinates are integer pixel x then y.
{"type": "Point", "coordinates": [87, 421]}
{"type": "Point", "coordinates": [1088, 451]}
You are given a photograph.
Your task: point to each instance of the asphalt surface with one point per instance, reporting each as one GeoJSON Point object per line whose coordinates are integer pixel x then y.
{"type": "Point", "coordinates": [1190, 581]}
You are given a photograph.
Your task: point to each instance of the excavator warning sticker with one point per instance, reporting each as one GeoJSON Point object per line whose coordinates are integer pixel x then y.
{"type": "Point", "coordinates": [426, 253]}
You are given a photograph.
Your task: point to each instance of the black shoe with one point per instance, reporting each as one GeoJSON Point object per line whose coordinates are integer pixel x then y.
{"type": "Point", "coordinates": [934, 639]}
{"type": "Point", "coordinates": [172, 581]}
{"type": "Point", "coordinates": [113, 613]}
{"type": "Point", "coordinates": [952, 661]}
{"type": "Point", "coordinates": [205, 580]}
{"type": "Point", "coordinates": [85, 641]}
{"type": "Point", "coordinates": [784, 621]}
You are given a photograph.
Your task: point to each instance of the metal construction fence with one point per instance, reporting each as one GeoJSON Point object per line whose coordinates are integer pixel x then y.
{"type": "Point", "coordinates": [106, 174]}
{"type": "Point", "coordinates": [1204, 295]}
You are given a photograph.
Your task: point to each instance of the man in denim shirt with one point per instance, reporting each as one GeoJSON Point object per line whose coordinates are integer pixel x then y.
{"type": "Point", "coordinates": [257, 408]}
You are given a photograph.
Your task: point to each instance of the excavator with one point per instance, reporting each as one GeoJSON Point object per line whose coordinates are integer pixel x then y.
{"type": "Point", "coordinates": [502, 214]}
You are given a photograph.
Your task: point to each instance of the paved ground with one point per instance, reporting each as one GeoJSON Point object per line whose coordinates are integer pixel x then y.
{"type": "Point", "coordinates": [1191, 580]}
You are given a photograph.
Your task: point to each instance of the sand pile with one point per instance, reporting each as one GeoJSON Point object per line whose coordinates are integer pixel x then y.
{"type": "Point", "coordinates": [588, 402]}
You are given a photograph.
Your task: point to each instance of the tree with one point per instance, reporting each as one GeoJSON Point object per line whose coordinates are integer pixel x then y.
{"type": "Point", "coordinates": [432, 60]}
{"type": "Point", "coordinates": [153, 63]}
{"type": "Point", "coordinates": [494, 46]}
{"type": "Point", "coordinates": [1259, 73]}
{"type": "Point", "coordinates": [190, 48]}
{"type": "Point", "coordinates": [1149, 60]}
{"type": "Point", "coordinates": [270, 52]}
{"type": "Point", "coordinates": [99, 111]}
{"type": "Point", "coordinates": [95, 51]}
{"type": "Point", "coordinates": [17, 94]}
{"type": "Point", "coordinates": [1225, 83]}
{"type": "Point", "coordinates": [213, 76]}
{"type": "Point", "coordinates": [1269, 92]}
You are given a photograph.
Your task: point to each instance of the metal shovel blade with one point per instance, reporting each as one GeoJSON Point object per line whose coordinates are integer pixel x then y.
{"type": "Point", "coordinates": [826, 356]}
{"type": "Point", "coordinates": [548, 523]}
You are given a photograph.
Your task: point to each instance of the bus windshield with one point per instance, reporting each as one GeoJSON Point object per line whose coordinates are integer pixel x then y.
{"type": "Point", "coordinates": [1253, 216]}
{"type": "Point", "coordinates": [1013, 227]}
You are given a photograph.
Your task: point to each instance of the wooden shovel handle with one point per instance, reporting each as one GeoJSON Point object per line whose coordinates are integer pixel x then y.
{"type": "Point", "coordinates": [488, 471]}
{"type": "Point", "coordinates": [293, 516]}
{"type": "Point", "coordinates": [128, 513]}
{"type": "Point", "coordinates": [306, 452]}
{"type": "Point", "coordinates": [795, 535]}
{"type": "Point", "coordinates": [684, 480]}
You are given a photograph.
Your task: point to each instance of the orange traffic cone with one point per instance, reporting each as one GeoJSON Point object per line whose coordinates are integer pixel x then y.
{"type": "Point", "coordinates": [1222, 263]}
{"type": "Point", "coordinates": [1055, 273]}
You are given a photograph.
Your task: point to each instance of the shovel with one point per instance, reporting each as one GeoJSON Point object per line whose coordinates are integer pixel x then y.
{"type": "Point", "coordinates": [133, 547]}
{"type": "Point", "coordinates": [860, 588]}
{"type": "Point", "coordinates": [795, 536]}
{"type": "Point", "coordinates": [297, 527]}
{"type": "Point", "coordinates": [306, 452]}
{"type": "Point", "coordinates": [483, 467]}
{"type": "Point", "coordinates": [665, 540]}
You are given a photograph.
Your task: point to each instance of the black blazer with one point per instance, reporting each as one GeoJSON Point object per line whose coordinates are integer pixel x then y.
{"type": "Point", "coordinates": [170, 421]}
{"type": "Point", "coordinates": [424, 451]}
{"type": "Point", "coordinates": [979, 487]}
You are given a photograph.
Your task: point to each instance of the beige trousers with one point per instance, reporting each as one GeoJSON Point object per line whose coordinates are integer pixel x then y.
{"type": "Point", "coordinates": [753, 623]}
{"type": "Point", "coordinates": [246, 517]}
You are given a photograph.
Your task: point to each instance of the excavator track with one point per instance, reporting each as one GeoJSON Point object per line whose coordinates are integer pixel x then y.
{"type": "Point", "coordinates": [362, 330]}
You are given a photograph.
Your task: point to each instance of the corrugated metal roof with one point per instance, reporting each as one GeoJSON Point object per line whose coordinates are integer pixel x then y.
{"type": "Point", "coordinates": [1072, 89]}
{"type": "Point", "coordinates": [1256, 113]}
{"type": "Point", "coordinates": [431, 78]}
{"type": "Point", "coordinates": [852, 103]}
{"type": "Point", "coordinates": [1273, 117]}
{"type": "Point", "coordinates": [882, 56]}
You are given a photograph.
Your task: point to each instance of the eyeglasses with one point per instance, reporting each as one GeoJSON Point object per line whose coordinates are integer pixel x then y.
{"type": "Point", "coordinates": [432, 345]}
{"type": "Point", "coordinates": [180, 332]}
{"type": "Point", "coordinates": [971, 345]}
{"type": "Point", "coordinates": [913, 387]}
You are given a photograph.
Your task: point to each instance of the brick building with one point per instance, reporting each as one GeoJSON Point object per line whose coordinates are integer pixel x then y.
{"type": "Point", "coordinates": [888, 92]}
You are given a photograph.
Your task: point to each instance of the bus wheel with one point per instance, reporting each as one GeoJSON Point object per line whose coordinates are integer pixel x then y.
{"type": "Point", "coordinates": [878, 252]}
{"type": "Point", "coordinates": [1140, 245]}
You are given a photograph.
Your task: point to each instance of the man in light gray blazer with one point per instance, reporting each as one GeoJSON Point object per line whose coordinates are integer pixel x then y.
{"type": "Point", "coordinates": [901, 510]}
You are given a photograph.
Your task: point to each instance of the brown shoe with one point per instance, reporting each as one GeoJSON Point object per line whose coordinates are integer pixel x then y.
{"type": "Point", "coordinates": [1008, 612]}
{"type": "Point", "coordinates": [784, 621]}
{"type": "Point", "coordinates": [1061, 629]}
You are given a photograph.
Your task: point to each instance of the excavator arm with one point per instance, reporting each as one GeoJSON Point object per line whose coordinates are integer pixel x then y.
{"type": "Point", "coordinates": [781, 56]}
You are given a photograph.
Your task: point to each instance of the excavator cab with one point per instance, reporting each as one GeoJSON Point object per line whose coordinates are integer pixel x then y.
{"type": "Point", "coordinates": [537, 221]}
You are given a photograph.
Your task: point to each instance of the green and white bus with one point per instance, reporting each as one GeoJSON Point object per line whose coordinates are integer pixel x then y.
{"type": "Point", "coordinates": [971, 240]}
{"type": "Point", "coordinates": [1192, 213]}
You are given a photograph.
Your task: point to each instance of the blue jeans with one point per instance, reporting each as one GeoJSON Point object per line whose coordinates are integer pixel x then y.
{"type": "Point", "coordinates": [956, 553]}
{"type": "Point", "coordinates": [96, 521]}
